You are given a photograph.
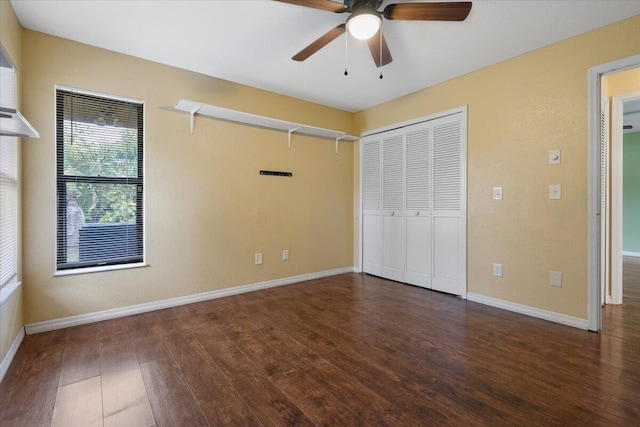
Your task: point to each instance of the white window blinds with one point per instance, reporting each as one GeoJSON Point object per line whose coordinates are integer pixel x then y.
{"type": "Point", "coordinates": [8, 185]}
{"type": "Point", "coordinates": [99, 180]}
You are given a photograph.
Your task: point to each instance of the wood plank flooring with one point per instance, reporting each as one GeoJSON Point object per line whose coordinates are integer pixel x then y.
{"type": "Point", "coordinates": [624, 320]}
{"type": "Point", "coordinates": [343, 351]}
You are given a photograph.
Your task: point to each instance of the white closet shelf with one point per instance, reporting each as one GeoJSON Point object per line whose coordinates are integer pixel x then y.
{"type": "Point", "coordinates": [193, 108]}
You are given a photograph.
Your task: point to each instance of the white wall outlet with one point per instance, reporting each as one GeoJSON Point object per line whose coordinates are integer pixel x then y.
{"type": "Point", "coordinates": [555, 192]}
{"type": "Point", "coordinates": [285, 254]}
{"type": "Point", "coordinates": [555, 279]}
{"type": "Point", "coordinates": [259, 258]}
{"type": "Point", "coordinates": [497, 270]}
{"type": "Point", "coordinates": [554, 157]}
{"type": "Point", "coordinates": [497, 193]}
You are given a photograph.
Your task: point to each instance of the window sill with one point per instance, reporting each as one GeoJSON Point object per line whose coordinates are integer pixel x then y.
{"type": "Point", "coordinates": [98, 269]}
{"type": "Point", "coordinates": [8, 290]}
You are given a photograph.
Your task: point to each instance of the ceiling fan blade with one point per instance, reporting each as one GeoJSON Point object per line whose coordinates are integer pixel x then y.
{"type": "Point", "coordinates": [328, 5]}
{"type": "Point", "coordinates": [320, 43]}
{"type": "Point", "coordinates": [374, 47]}
{"type": "Point", "coordinates": [428, 11]}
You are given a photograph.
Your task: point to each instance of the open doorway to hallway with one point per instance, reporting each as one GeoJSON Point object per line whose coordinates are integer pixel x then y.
{"type": "Point", "coordinates": [620, 238]}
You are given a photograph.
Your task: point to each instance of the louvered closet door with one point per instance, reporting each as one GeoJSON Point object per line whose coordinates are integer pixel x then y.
{"type": "Point", "coordinates": [418, 209]}
{"type": "Point", "coordinates": [393, 221]}
{"type": "Point", "coordinates": [372, 206]}
{"type": "Point", "coordinates": [449, 205]}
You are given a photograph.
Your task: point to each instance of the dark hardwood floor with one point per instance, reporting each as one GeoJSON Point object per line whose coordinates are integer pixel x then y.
{"type": "Point", "coordinates": [345, 350]}
{"type": "Point", "coordinates": [624, 320]}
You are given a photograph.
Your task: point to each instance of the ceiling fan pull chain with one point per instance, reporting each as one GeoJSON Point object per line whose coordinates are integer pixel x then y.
{"type": "Point", "coordinates": [380, 31]}
{"type": "Point", "coordinates": [346, 54]}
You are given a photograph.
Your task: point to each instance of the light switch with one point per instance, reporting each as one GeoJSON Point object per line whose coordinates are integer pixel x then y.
{"type": "Point", "coordinates": [555, 191]}
{"type": "Point", "coordinates": [555, 279]}
{"type": "Point", "coordinates": [497, 193]}
{"type": "Point", "coordinates": [554, 157]}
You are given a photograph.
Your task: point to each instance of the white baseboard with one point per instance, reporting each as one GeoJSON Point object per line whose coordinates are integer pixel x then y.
{"type": "Point", "coordinates": [8, 358]}
{"type": "Point", "coordinates": [530, 311]}
{"type": "Point", "coordinates": [634, 254]}
{"type": "Point", "coordinates": [98, 316]}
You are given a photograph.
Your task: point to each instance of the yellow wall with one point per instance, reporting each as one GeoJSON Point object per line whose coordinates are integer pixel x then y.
{"type": "Point", "coordinates": [622, 82]}
{"type": "Point", "coordinates": [207, 208]}
{"type": "Point", "coordinates": [11, 319]}
{"type": "Point", "coordinates": [518, 110]}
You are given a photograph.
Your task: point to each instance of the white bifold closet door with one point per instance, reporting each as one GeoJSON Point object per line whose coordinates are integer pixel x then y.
{"type": "Point", "coordinates": [449, 206]}
{"type": "Point", "coordinates": [418, 206]}
{"type": "Point", "coordinates": [372, 205]}
{"type": "Point", "coordinates": [393, 221]}
{"type": "Point", "coordinates": [414, 222]}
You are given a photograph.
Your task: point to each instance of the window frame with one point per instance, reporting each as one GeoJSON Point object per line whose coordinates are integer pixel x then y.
{"type": "Point", "coordinates": [66, 268]}
{"type": "Point", "coordinates": [11, 181]}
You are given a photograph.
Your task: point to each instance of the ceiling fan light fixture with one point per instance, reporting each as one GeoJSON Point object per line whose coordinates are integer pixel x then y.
{"type": "Point", "coordinates": [364, 25]}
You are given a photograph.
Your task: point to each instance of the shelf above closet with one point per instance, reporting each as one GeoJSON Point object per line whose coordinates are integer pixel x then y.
{"type": "Point", "coordinates": [193, 108]}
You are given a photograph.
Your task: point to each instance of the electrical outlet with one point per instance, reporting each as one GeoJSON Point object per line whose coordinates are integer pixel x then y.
{"type": "Point", "coordinates": [497, 270]}
{"type": "Point", "coordinates": [497, 193]}
{"type": "Point", "coordinates": [555, 192]}
{"type": "Point", "coordinates": [285, 254]}
{"type": "Point", "coordinates": [259, 258]}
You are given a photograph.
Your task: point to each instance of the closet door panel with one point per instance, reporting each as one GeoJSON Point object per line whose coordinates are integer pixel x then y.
{"type": "Point", "coordinates": [446, 254]}
{"type": "Point", "coordinates": [418, 269]}
{"type": "Point", "coordinates": [393, 257]}
{"type": "Point", "coordinates": [418, 203]}
{"type": "Point", "coordinates": [393, 224]}
{"type": "Point", "coordinates": [449, 192]}
{"type": "Point", "coordinates": [372, 206]}
{"type": "Point", "coordinates": [372, 246]}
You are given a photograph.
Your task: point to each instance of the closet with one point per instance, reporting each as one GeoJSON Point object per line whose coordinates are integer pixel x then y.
{"type": "Point", "coordinates": [414, 202]}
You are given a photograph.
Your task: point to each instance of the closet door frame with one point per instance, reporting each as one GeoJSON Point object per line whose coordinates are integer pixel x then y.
{"type": "Point", "coordinates": [463, 211]}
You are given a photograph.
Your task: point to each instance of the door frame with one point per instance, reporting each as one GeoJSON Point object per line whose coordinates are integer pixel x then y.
{"type": "Point", "coordinates": [594, 75]}
{"type": "Point", "coordinates": [617, 134]}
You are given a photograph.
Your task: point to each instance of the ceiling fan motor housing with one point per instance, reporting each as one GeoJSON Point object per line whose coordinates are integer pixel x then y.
{"type": "Point", "coordinates": [358, 6]}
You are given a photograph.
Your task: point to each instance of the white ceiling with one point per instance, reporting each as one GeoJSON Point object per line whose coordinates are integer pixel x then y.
{"type": "Point", "coordinates": [252, 42]}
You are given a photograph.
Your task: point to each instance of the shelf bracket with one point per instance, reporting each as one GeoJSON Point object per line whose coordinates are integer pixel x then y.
{"type": "Point", "coordinates": [290, 132]}
{"type": "Point", "coordinates": [191, 114]}
{"type": "Point", "coordinates": [338, 140]}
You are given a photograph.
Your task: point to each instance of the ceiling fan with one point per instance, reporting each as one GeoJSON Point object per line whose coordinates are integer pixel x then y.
{"type": "Point", "coordinates": [365, 21]}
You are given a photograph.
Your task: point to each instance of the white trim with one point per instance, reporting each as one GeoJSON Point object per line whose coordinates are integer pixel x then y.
{"type": "Point", "coordinates": [539, 313]}
{"type": "Point", "coordinates": [8, 358]}
{"type": "Point", "coordinates": [594, 75]}
{"type": "Point", "coordinates": [433, 116]}
{"type": "Point", "coordinates": [617, 111]}
{"type": "Point", "coordinates": [100, 94]}
{"type": "Point", "coordinates": [633, 254]}
{"type": "Point", "coordinates": [8, 290]}
{"type": "Point", "coordinates": [73, 271]}
{"type": "Point", "coordinates": [81, 319]}
{"type": "Point", "coordinates": [144, 178]}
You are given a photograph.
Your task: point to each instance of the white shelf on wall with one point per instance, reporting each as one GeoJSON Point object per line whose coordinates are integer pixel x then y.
{"type": "Point", "coordinates": [193, 108]}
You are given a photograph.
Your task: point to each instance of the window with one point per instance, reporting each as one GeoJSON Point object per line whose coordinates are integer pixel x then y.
{"type": "Point", "coordinates": [8, 209]}
{"type": "Point", "coordinates": [99, 142]}
{"type": "Point", "coordinates": [8, 180]}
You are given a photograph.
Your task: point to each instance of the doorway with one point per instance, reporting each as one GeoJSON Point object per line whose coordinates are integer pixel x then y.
{"type": "Point", "coordinates": [598, 195]}
{"type": "Point", "coordinates": [622, 305]}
